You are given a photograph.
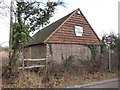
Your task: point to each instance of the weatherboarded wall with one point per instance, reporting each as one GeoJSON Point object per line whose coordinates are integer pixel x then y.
{"type": "Point", "coordinates": [35, 52]}
{"type": "Point", "coordinates": [55, 52]}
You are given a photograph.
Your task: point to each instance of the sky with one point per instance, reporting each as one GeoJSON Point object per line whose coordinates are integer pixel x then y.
{"type": "Point", "coordinates": [101, 14]}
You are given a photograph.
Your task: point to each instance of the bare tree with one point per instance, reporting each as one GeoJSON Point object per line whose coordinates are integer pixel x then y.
{"type": "Point", "coordinates": [1, 1]}
{"type": "Point", "coordinates": [4, 10]}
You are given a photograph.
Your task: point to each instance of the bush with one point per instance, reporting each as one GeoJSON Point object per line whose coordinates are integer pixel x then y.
{"type": "Point", "coordinates": [68, 62]}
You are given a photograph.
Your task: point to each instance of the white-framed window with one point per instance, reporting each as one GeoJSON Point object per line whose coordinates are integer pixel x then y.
{"type": "Point", "coordinates": [78, 30]}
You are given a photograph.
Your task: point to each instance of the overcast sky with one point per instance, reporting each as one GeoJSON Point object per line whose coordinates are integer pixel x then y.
{"type": "Point", "coordinates": [101, 14]}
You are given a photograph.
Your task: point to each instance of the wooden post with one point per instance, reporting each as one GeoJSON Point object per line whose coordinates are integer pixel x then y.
{"type": "Point", "coordinates": [30, 53]}
{"type": "Point", "coordinates": [23, 66]}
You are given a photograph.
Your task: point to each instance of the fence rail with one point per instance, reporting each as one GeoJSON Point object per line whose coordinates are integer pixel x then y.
{"type": "Point", "coordinates": [32, 66]}
{"type": "Point", "coordinates": [41, 59]}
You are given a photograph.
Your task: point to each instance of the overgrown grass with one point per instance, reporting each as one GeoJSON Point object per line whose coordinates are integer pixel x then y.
{"type": "Point", "coordinates": [56, 80]}
{"type": "Point", "coordinates": [24, 80]}
{"type": "Point", "coordinates": [69, 80]}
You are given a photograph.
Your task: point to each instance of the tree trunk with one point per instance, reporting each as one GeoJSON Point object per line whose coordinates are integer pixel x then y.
{"type": "Point", "coordinates": [12, 62]}
{"type": "Point", "coordinates": [13, 67]}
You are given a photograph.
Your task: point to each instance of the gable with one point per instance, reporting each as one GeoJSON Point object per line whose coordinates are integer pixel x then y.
{"type": "Point", "coordinates": [66, 31]}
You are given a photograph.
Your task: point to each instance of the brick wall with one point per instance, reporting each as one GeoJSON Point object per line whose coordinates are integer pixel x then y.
{"type": "Point", "coordinates": [55, 52]}
{"type": "Point", "coordinates": [35, 52]}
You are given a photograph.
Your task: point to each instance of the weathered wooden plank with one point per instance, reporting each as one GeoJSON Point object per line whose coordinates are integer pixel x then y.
{"type": "Point", "coordinates": [42, 59]}
{"type": "Point", "coordinates": [29, 67]}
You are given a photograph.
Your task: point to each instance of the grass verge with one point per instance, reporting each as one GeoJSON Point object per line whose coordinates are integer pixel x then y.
{"type": "Point", "coordinates": [80, 80]}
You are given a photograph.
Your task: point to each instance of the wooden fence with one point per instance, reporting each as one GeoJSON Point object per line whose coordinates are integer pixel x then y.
{"type": "Point", "coordinates": [26, 65]}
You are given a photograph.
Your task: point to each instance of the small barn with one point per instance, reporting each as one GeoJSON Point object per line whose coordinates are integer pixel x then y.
{"type": "Point", "coordinates": [68, 36]}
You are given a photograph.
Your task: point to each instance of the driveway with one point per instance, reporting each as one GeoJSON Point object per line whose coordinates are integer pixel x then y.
{"type": "Point", "coordinates": [112, 83]}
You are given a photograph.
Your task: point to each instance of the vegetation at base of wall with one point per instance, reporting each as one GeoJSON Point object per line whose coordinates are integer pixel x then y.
{"type": "Point", "coordinates": [57, 70]}
{"type": "Point", "coordinates": [68, 61]}
{"type": "Point", "coordinates": [93, 49]}
{"type": "Point", "coordinates": [68, 67]}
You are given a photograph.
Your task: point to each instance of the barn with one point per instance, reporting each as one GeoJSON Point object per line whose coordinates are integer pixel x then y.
{"type": "Point", "coordinates": [68, 36]}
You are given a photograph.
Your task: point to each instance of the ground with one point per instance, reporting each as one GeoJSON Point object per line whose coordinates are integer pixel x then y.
{"type": "Point", "coordinates": [31, 80]}
{"type": "Point", "coordinates": [80, 80]}
{"type": "Point", "coordinates": [111, 83]}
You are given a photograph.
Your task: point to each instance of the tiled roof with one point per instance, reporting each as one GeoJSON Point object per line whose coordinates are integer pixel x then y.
{"type": "Point", "coordinates": [62, 31]}
{"type": "Point", "coordinates": [43, 34]}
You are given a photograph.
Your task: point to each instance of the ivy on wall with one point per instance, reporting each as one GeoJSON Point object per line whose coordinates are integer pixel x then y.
{"type": "Point", "coordinates": [93, 49]}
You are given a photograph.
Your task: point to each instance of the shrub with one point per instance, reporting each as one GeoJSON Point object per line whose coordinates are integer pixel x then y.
{"type": "Point", "coordinates": [68, 61]}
